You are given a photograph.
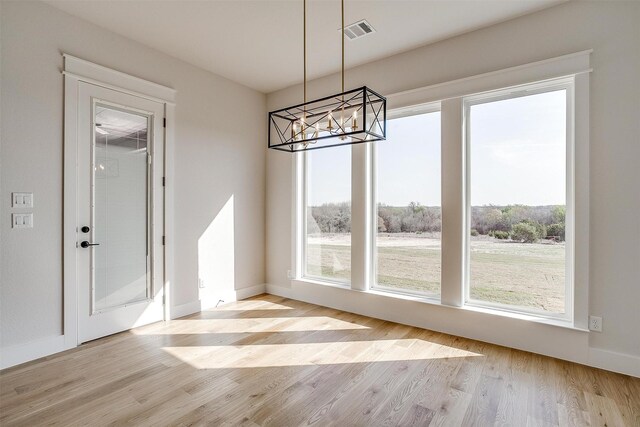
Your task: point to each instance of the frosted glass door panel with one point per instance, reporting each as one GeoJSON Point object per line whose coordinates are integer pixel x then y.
{"type": "Point", "coordinates": [120, 208]}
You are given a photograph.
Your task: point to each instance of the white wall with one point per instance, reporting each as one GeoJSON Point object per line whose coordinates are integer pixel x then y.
{"type": "Point", "coordinates": [612, 30]}
{"type": "Point", "coordinates": [219, 155]}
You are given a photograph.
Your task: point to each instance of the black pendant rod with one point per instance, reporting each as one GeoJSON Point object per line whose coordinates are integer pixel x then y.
{"type": "Point", "coordinates": [304, 47]}
{"type": "Point", "coordinates": [342, 35]}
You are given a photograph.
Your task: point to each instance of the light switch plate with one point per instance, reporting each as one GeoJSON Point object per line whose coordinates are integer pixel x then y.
{"type": "Point", "coordinates": [22, 220]}
{"type": "Point", "coordinates": [22, 200]}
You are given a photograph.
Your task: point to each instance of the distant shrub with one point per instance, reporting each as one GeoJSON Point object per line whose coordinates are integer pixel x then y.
{"type": "Point", "coordinates": [409, 219]}
{"type": "Point", "coordinates": [474, 232]}
{"type": "Point", "coordinates": [330, 217]}
{"type": "Point", "coordinates": [515, 213]}
{"type": "Point", "coordinates": [558, 214]}
{"type": "Point", "coordinates": [557, 231]}
{"type": "Point", "coordinates": [501, 218]}
{"type": "Point", "coordinates": [502, 235]}
{"type": "Point", "coordinates": [381, 227]}
{"type": "Point", "coordinates": [541, 230]}
{"type": "Point", "coordinates": [524, 232]}
{"type": "Point", "coordinates": [414, 218]}
{"type": "Point", "coordinates": [394, 225]}
{"type": "Point", "coordinates": [487, 218]}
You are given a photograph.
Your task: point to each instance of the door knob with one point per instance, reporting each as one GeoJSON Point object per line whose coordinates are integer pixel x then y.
{"type": "Point", "coordinates": [86, 244]}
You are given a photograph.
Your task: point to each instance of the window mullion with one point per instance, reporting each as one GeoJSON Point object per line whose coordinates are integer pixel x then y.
{"type": "Point", "coordinates": [298, 233]}
{"type": "Point", "coordinates": [361, 241]}
{"type": "Point", "coordinates": [453, 202]}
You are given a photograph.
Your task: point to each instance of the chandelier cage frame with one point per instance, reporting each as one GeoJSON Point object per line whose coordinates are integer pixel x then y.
{"type": "Point", "coordinates": [351, 117]}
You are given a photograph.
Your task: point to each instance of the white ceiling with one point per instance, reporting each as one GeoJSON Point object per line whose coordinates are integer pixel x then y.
{"type": "Point", "coordinates": [259, 42]}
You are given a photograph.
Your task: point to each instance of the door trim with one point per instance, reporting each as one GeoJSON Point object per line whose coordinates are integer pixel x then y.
{"type": "Point", "coordinates": [77, 70]}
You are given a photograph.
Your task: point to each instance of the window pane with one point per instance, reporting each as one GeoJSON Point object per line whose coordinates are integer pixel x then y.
{"type": "Point", "coordinates": [518, 195]}
{"type": "Point", "coordinates": [408, 192]}
{"type": "Point", "coordinates": [120, 194]}
{"type": "Point", "coordinates": [328, 228]}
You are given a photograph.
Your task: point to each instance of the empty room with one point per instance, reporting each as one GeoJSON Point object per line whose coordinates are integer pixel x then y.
{"type": "Point", "coordinates": [320, 212]}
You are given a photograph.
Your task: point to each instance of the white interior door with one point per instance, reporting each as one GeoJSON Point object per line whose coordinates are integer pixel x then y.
{"type": "Point", "coordinates": [120, 211]}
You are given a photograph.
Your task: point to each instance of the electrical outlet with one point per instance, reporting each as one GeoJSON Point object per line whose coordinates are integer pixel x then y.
{"type": "Point", "coordinates": [201, 283]}
{"type": "Point", "coordinates": [595, 323]}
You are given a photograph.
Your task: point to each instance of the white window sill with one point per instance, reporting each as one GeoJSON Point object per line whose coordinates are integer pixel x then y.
{"type": "Point", "coordinates": [432, 301]}
{"type": "Point", "coordinates": [318, 281]}
{"type": "Point", "coordinates": [567, 324]}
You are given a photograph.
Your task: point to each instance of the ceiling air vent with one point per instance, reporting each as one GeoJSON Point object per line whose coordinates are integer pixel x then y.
{"type": "Point", "coordinates": [358, 29]}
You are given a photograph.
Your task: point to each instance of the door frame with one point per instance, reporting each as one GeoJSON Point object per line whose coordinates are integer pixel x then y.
{"type": "Point", "coordinates": [77, 70]}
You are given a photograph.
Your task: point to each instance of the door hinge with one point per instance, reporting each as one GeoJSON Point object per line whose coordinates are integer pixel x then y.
{"type": "Point", "coordinates": [164, 122]}
{"type": "Point", "coordinates": [163, 182]}
{"type": "Point", "coordinates": [162, 240]}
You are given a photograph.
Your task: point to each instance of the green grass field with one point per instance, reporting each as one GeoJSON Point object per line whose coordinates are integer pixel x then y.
{"type": "Point", "coordinates": [529, 275]}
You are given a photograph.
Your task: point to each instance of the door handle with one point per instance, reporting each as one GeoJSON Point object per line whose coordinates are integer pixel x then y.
{"type": "Point", "coordinates": [86, 244]}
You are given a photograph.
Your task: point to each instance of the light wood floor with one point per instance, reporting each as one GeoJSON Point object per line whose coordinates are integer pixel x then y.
{"type": "Point", "coordinates": [274, 361]}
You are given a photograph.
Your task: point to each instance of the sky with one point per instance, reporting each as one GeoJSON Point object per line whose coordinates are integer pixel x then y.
{"type": "Point", "coordinates": [517, 156]}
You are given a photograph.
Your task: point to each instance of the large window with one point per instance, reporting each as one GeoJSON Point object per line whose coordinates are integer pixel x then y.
{"type": "Point", "coordinates": [517, 172]}
{"type": "Point", "coordinates": [408, 205]}
{"type": "Point", "coordinates": [327, 246]}
{"type": "Point", "coordinates": [471, 201]}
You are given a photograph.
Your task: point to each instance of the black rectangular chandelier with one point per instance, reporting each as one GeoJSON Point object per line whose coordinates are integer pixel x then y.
{"type": "Point", "coordinates": [351, 117]}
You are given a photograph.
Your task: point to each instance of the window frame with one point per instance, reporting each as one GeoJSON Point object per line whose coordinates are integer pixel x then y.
{"type": "Point", "coordinates": [520, 91]}
{"type": "Point", "coordinates": [397, 113]}
{"type": "Point", "coordinates": [574, 68]}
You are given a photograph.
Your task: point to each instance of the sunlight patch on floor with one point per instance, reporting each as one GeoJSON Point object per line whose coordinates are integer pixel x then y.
{"type": "Point", "coordinates": [250, 305]}
{"type": "Point", "coordinates": [262, 324]}
{"type": "Point", "coordinates": [276, 355]}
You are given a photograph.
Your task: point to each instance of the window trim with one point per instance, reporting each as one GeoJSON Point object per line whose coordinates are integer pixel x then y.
{"type": "Point", "coordinates": [520, 91]}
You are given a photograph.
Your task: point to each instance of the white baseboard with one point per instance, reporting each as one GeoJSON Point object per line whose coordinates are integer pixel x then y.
{"type": "Point", "coordinates": [281, 291]}
{"type": "Point", "coordinates": [251, 291]}
{"type": "Point", "coordinates": [185, 309]}
{"type": "Point", "coordinates": [22, 353]}
{"type": "Point", "coordinates": [212, 300]}
{"type": "Point", "coordinates": [217, 298]}
{"type": "Point", "coordinates": [566, 344]}
{"type": "Point", "coordinates": [612, 361]}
